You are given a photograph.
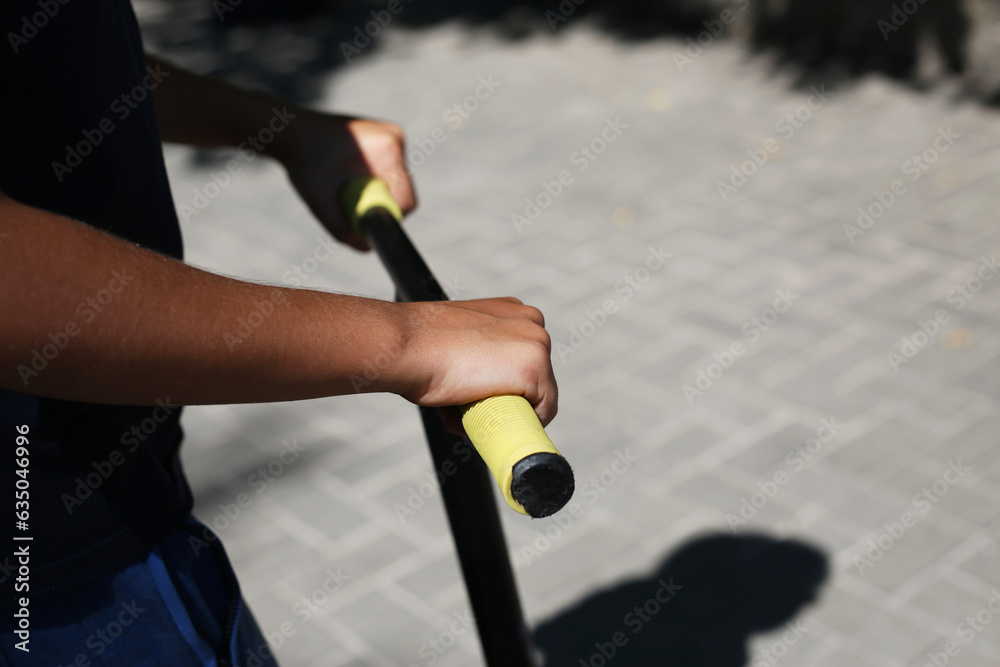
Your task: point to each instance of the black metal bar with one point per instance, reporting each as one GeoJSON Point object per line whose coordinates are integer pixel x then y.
{"type": "Point", "coordinates": [468, 492]}
{"type": "Point", "coordinates": [409, 273]}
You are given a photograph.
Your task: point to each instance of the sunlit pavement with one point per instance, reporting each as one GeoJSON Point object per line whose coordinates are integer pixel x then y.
{"type": "Point", "coordinates": [774, 312]}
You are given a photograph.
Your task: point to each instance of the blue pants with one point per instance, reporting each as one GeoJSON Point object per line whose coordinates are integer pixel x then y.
{"type": "Point", "coordinates": [180, 606]}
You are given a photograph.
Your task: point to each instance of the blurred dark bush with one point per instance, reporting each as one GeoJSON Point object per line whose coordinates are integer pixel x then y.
{"type": "Point", "coordinates": [291, 45]}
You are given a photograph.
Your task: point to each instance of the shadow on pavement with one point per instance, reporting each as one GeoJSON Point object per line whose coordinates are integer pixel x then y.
{"type": "Point", "coordinates": [698, 609]}
{"type": "Point", "coordinates": [291, 46]}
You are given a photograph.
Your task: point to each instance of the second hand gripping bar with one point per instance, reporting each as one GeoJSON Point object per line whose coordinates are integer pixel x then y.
{"type": "Point", "coordinates": [533, 476]}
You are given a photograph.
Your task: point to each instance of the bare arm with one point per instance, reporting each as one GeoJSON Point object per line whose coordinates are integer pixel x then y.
{"type": "Point", "coordinates": [132, 326]}
{"type": "Point", "coordinates": [319, 151]}
{"type": "Point", "coordinates": [91, 317]}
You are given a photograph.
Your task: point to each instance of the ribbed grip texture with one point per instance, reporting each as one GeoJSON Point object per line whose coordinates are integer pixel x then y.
{"type": "Point", "coordinates": [505, 429]}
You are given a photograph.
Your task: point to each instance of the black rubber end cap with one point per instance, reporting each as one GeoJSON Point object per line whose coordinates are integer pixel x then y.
{"type": "Point", "coordinates": [542, 483]}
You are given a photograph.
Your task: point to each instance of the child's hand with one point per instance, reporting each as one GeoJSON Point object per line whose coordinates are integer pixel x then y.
{"type": "Point", "coordinates": [322, 152]}
{"type": "Point", "coordinates": [461, 351]}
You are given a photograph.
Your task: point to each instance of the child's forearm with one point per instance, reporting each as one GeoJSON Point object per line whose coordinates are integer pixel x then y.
{"type": "Point", "coordinates": [91, 317]}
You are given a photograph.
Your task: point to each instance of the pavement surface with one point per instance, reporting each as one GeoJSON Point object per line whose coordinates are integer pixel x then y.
{"type": "Point", "coordinates": [775, 310]}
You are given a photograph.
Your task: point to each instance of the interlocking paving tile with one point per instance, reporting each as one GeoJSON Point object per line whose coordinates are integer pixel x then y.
{"type": "Point", "coordinates": [657, 184]}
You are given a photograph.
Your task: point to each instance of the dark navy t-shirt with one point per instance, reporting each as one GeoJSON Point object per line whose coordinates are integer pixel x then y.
{"type": "Point", "coordinates": [78, 136]}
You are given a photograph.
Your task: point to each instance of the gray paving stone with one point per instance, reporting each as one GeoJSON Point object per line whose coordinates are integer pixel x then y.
{"type": "Point", "coordinates": [949, 601]}
{"type": "Point", "coordinates": [375, 617]}
{"type": "Point", "coordinates": [923, 544]}
{"type": "Point", "coordinates": [622, 388]}
{"type": "Point", "coordinates": [879, 632]}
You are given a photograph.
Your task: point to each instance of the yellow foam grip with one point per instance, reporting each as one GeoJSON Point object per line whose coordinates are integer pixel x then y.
{"type": "Point", "coordinates": [505, 429]}
{"type": "Point", "coordinates": [360, 195]}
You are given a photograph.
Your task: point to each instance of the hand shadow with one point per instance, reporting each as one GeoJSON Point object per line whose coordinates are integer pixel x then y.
{"type": "Point", "coordinates": [697, 610]}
